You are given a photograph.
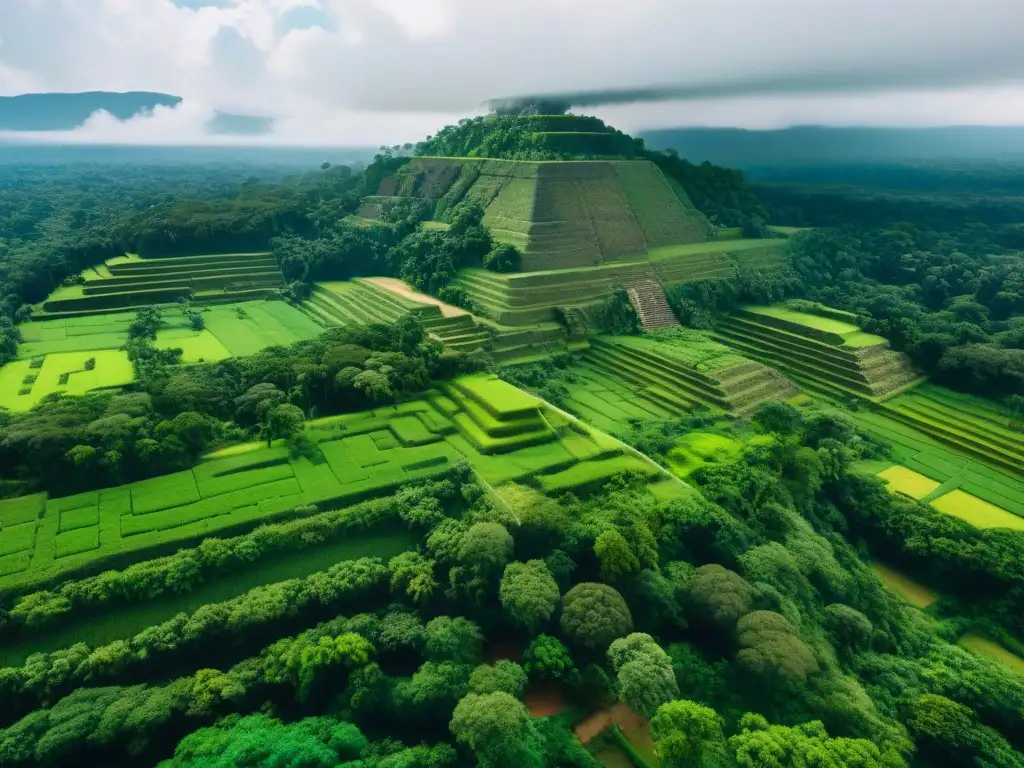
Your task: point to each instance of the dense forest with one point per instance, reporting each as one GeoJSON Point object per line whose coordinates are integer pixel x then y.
{"type": "Point", "coordinates": [742, 620]}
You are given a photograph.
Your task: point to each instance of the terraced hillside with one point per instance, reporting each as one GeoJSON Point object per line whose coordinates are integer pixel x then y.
{"type": "Point", "coordinates": [559, 214]}
{"type": "Point", "coordinates": [530, 297]}
{"type": "Point", "coordinates": [982, 429]}
{"type": "Point", "coordinates": [687, 370]}
{"type": "Point", "coordinates": [134, 283]}
{"type": "Point", "coordinates": [505, 433]}
{"type": "Point", "coordinates": [364, 301]}
{"type": "Point", "coordinates": [348, 303]}
{"type": "Point", "coordinates": [822, 354]}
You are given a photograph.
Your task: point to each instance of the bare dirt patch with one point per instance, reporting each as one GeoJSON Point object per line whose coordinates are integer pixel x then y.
{"type": "Point", "coordinates": [545, 700]}
{"type": "Point", "coordinates": [406, 291]}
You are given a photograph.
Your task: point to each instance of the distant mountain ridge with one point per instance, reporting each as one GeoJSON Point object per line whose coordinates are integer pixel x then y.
{"type": "Point", "coordinates": [67, 111]}
{"type": "Point", "coordinates": [739, 148]}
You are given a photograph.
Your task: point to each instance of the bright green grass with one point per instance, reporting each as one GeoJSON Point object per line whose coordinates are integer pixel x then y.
{"type": "Point", "coordinates": [113, 340]}
{"type": "Point", "coordinates": [83, 517]}
{"type": "Point", "coordinates": [67, 343]}
{"type": "Point", "coordinates": [497, 396]}
{"type": "Point", "coordinates": [908, 482]}
{"type": "Point", "coordinates": [238, 491]}
{"type": "Point", "coordinates": [234, 450]}
{"type": "Point", "coordinates": [921, 453]}
{"type": "Point", "coordinates": [127, 621]}
{"type": "Point", "coordinates": [77, 541]}
{"type": "Point", "coordinates": [592, 472]}
{"type": "Point", "coordinates": [21, 510]}
{"type": "Point", "coordinates": [112, 370]}
{"type": "Point", "coordinates": [164, 492]}
{"type": "Point", "coordinates": [197, 348]}
{"type": "Point", "coordinates": [695, 249]}
{"type": "Point", "coordinates": [17, 538]}
{"type": "Point", "coordinates": [696, 449]}
{"type": "Point", "coordinates": [979, 513]}
{"type": "Point", "coordinates": [910, 590]}
{"type": "Point", "coordinates": [826, 324]}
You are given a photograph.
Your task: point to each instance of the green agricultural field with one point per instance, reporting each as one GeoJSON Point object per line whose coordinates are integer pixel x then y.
{"type": "Point", "coordinates": [503, 432]}
{"type": "Point", "coordinates": [22, 386]}
{"type": "Point", "coordinates": [66, 343]}
{"type": "Point", "coordinates": [697, 449]}
{"type": "Point", "coordinates": [975, 511]}
{"type": "Point", "coordinates": [921, 453]}
{"type": "Point", "coordinates": [982, 428]}
{"type": "Point", "coordinates": [694, 249]}
{"type": "Point", "coordinates": [906, 481]}
{"type": "Point", "coordinates": [826, 325]}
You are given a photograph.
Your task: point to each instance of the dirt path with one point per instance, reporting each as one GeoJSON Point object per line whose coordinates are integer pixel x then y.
{"type": "Point", "coordinates": [634, 727]}
{"type": "Point", "coordinates": [544, 700]}
{"type": "Point", "coordinates": [406, 291]}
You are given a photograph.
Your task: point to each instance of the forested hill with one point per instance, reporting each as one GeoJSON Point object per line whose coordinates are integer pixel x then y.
{"type": "Point", "coordinates": [809, 144]}
{"type": "Point", "coordinates": [67, 111]}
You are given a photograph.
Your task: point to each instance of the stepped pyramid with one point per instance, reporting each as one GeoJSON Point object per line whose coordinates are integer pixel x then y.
{"type": "Point", "coordinates": [822, 354]}
{"type": "Point", "coordinates": [648, 299]}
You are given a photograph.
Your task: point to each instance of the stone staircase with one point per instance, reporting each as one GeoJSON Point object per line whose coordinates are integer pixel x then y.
{"type": "Point", "coordinates": [648, 298]}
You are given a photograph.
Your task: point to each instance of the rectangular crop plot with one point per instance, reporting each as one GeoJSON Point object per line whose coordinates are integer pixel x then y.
{"type": "Point", "coordinates": [908, 482]}
{"type": "Point", "coordinates": [16, 563]}
{"type": "Point", "coordinates": [977, 512]}
{"type": "Point", "coordinates": [195, 348]}
{"type": "Point", "coordinates": [21, 510]}
{"type": "Point", "coordinates": [342, 463]}
{"type": "Point", "coordinates": [992, 649]}
{"type": "Point", "coordinates": [82, 517]}
{"type": "Point", "coordinates": [18, 538]}
{"type": "Point", "coordinates": [132, 525]}
{"type": "Point", "coordinates": [77, 541]}
{"type": "Point", "coordinates": [591, 472]}
{"type": "Point", "coordinates": [411, 431]}
{"type": "Point", "coordinates": [214, 486]}
{"type": "Point", "coordinates": [316, 479]}
{"type": "Point", "coordinates": [499, 397]}
{"type": "Point", "coordinates": [164, 492]}
{"type": "Point", "coordinates": [114, 502]}
{"type": "Point", "coordinates": [363, 450]}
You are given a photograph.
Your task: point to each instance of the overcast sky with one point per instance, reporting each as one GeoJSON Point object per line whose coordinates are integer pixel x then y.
{"type": "Point", "coordinates": [383, 71]}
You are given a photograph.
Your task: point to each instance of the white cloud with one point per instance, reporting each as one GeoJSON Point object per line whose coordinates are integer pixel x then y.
{"type": "Point", "coordinates": [381, 68]}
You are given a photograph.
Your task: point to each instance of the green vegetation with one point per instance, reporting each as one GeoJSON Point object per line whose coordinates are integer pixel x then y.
{"type": "Point", "coordinates": [64, 346]}
{"type": "Point", "coordinates": [915, 593]}
{"type": "Point", "coordinates": [950, 462]}
{"type": "Point", "coordinates": [978, 513]}
{"type": "Point", "coordinates": [324, 531]}
{"type": "Point", "coordinates": [532, 297]}
{"type": "Point", "coordinates": [913, 484]}
{"type": "Point", "coordinates": [822, 354]}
